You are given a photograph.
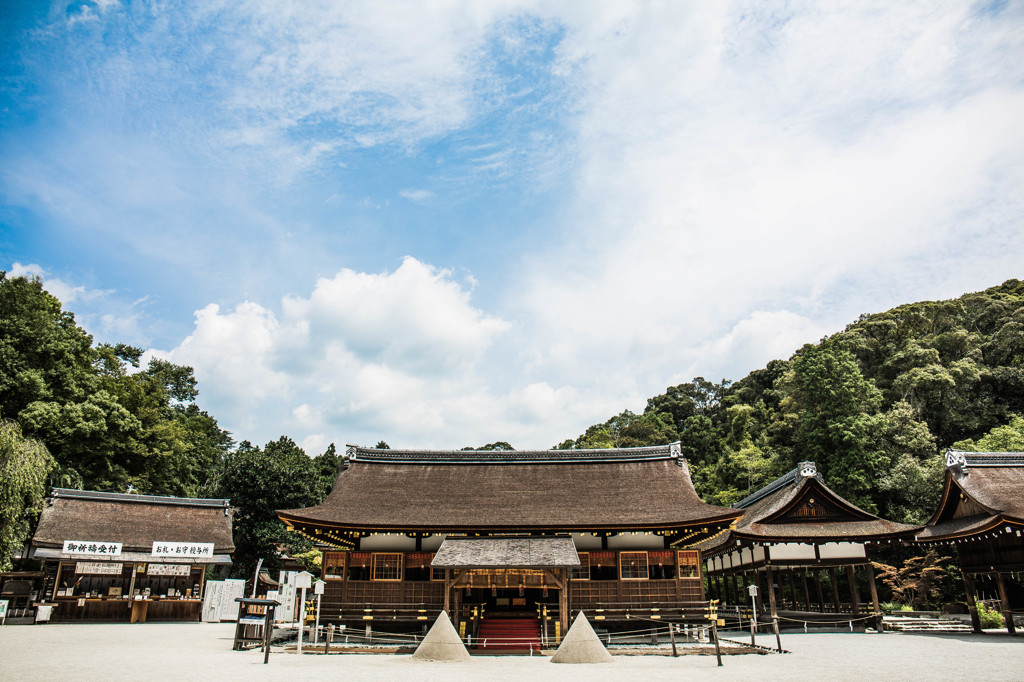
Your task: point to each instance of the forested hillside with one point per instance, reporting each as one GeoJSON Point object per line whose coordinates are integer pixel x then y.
{"type": "Point", "coordinates": [873, 405]}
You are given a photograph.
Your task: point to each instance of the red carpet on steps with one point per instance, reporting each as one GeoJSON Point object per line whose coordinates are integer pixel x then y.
{"type": "Point", "coordinates": [503, 634]}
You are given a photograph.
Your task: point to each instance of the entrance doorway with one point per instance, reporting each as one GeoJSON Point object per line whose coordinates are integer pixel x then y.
{"type": "Point", "coordinates": [511, 601]}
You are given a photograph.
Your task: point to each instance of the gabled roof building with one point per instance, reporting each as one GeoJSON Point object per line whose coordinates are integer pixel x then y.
{"type": "Point", "coordinates": [630, 518]}
{"type": "Point", "coordinates": [981, 514]}
{"type": "Point", "coordinates": [118, 556]}
{"type": "Point", "coordinates": [797, 532]}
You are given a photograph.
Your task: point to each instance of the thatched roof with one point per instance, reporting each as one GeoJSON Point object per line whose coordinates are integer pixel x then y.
{"type": "Point", "coordinates": [558, 490]}
{"type": "Point", "coordinates": [506, 553]}
{"type": "Point", "coordinates": [799, 507]}
{"type": "Point", "coordinates": [136, 521]}
{"type": "Point", "coordinates": [982, 492]}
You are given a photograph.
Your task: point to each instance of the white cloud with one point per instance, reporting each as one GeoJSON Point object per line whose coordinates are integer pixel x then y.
{"type": "Point", "coordinates": [415, 194]}
{"type": "Point", "coordinates": [365, 356]}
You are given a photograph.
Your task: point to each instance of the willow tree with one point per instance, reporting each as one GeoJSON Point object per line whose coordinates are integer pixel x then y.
{"type": "Point", "coordinates": [24, 465]}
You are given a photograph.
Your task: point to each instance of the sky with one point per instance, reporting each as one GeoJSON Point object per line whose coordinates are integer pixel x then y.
{"type": "Point", "coordinates": [445, 223]}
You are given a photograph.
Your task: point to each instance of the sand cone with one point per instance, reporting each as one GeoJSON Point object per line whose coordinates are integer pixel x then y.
{"type": "Point", "coordinates": [442, 643]}
{"type": "Point", "coordinates": [581, 645]}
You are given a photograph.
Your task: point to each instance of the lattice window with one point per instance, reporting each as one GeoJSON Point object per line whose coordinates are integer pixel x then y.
{"type": "Point", "coordinates": [661, 564]}
{"type": "Point", "coordinates": [437, 574]}
{"type": "Point", "coordinates": [603, 566]}
{"type": "Point", "coordinates": [334, 566]}
{"type": "Point", "coordinates": [689, 564]}
{"type": "Point", "coordinates": [387, 567]}
{"type": "Point", "coordinates": [633, 566]}
{"type": "Point", "coordinates": [583, 572]}
{"type": "Point", "coordinates": [359, 566]}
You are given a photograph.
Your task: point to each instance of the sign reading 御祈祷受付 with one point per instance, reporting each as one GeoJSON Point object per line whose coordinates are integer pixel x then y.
{"type": "Point", "coordinates": [183, 550]}
{"type": "Point", "coordinates": [91, 547]}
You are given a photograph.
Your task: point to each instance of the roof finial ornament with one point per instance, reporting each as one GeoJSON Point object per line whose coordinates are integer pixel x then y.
{"type": "Point", "coordinates": [956, 461]}
{"type": "Point", "coordinates": [808, 469]}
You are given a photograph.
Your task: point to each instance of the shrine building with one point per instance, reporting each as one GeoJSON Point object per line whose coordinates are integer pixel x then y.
{"type": "Point", "coordinates": [613, 531]}
{"type": "Point", "coordinates": [806, 549]}
{"type": "Point", "coordinates": [981, 515]}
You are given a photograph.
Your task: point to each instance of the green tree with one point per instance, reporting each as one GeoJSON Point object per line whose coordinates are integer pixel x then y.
{"type": "Point", "coordinates": [836, 422]}
{"type": "Point", "coordinates": [1006, 438]}
{"type": "Point", "coordinates": [258, 482]}
{"type": "Point", "coordinates": [24, 467]}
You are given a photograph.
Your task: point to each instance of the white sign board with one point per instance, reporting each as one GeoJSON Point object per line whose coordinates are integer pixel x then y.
{"type": "Point", "coordinates": [91, 548]}
{"type": "Point", "coordinates": [304, 580]}
{"type": "Point", "coordinates": [752, 590]}
{"type": "Point", "coordinates": [183, 550]}
{"type": "Point", "coordinates": [211, 601]}
{"type": "Point", "coordinates": [99, 567]}
{"type": "Point", "coordinates": [318, 587]}
{"type": "Point", "coordinates": [4, 603]}
{"type": "Point", "coordinates": [233, 589]}
{"type": "Point", "coordinates": [168, 569]}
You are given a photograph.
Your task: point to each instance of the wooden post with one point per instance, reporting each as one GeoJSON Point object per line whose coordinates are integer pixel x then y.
{"type": "Point", "coordinates": [718, 648]}
{"type": "Point", "coordinates": [791, 579]}
{"type": "Point", "coordinates": [771, 591]}
{"type": "Point", "coordinates": [672, 637]}
{"type": "Point", "coordinates": [807, 591]}
{"type": "Point", "coordinates": [736, 591]}
{"type": "Point", "coordinates": [834, 581]}
{"type": "Point", "coordinates": [448, 592]}
{"type": "Point", "coordinates": [854, 599]}
{"type": "Point", "coordinates": [817, 587]}
{"type": "Point", "coordinates": [1005, 604]}
{"type": "Point", "coordinates": [972, 602]}
{"type": "Point", "coordinates": [875, 608]}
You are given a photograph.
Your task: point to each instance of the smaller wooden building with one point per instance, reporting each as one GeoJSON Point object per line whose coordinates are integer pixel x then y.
{"type": "Point", "coordinates": [981, 514]}
{"type": "Point", "coordinates": [802, 545]}
{"type": "Point", "coordinates": [125, 557]}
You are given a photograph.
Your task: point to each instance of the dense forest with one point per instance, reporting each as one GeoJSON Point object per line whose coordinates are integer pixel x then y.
{"type": "Point", "coordinates": [873, 405]}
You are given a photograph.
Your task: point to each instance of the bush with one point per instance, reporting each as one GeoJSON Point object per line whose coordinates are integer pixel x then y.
{"type": "Point", "coordinates": [894, 606]}
{"type": "Point", "coordinates": [990, 618]}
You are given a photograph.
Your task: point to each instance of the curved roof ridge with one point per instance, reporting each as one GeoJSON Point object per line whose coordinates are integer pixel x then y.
{"type": "Point", "coordinates": [802, 470]}
{"type": "Point", "coordinates": [962, 458]}
{"type": "Point", "coordinates": [652, 452]}
{"type": "Point", "coordinates": [100, 496]}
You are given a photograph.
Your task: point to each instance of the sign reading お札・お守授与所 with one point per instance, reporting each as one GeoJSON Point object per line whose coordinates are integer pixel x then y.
{"type": "Point", "coordinates": [183, 550]}
{"type": "Point", "coordinates": [91, 548]}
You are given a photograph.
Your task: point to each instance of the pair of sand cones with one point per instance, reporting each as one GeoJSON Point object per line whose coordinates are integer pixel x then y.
{"type": "Point", "coordinates": [580, 644]}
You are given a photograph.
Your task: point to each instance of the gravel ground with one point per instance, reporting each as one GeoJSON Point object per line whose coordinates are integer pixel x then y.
{"type": "Point", "coordinates": [202, 651]}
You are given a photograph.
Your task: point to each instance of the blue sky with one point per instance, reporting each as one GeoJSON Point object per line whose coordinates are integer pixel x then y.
{"type": "Point", "coordinates": [444, 224]}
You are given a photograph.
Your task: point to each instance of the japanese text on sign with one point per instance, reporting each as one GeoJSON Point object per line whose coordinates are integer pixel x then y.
{"type": "Point", "coordinates": [183, 550]}
{"type": "Point", "coordinates": [168, 569]}
{"type": "Point", "coordinates": [93, 547]}
{"type": "Point", "coordinates": [98, 568]}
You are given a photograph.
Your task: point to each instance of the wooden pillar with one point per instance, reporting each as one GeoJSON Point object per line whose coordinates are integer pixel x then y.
{"type": "Point", "coordinates": [854, 599]}
{"type": "Point", "coordinates": [972, 602]}
{"type": "Point", "coordinates": [1005, 604]}
{"type": "Point", "coordinates": [769, 575]}
{"type": "Point", "coordinates": [821, 594]}
{"type": "Point", "coordinates": [834, 581]}
{"type": "Point", "coordinates": [875, 608]}
{"type": "Point", "coordinates": [448, 592]}
{"type": "Point", "coordinates": [807, 591]}
{"type": "Point", "coordinates": [735, 590]}
{"type": "Point", "coordinates": [791, 579]}
{"type": "Point", "coordinates": [563, 606]}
